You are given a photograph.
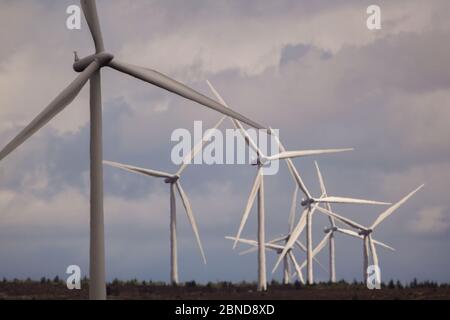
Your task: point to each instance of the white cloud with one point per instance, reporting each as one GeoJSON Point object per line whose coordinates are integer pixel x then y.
{"type": "Point", "coordinates": [431, 220]}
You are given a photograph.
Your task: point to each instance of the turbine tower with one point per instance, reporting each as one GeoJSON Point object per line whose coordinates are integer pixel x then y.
{"type": "Point", "coordinates": [366, 232]}
{"type": "Point", "coordinates": [89, 69]}
{"type": "Point", "coordinates": [258, 188]}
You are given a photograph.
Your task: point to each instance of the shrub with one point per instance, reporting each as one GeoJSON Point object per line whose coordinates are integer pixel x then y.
{"type": "Point", "coordinates": [191, 284]}
{"type": "Point", "coordinates": [391, 284]}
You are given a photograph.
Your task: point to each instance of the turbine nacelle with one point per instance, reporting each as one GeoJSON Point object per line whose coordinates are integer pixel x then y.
{"type": "Point", "coordinates": [172, 180]}
{"type": "Point", "coordinates": [102, 59]}
{"type": "Point", "coordinates": [307, 202]}
{"type": "Point", "coordinates": [330, 229]}
{"type": "Point", "coordinates": [365, 233]}
{"type": "Point", "coordinates": [260, 161]}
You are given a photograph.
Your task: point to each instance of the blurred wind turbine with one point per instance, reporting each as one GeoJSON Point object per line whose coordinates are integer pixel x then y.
{"type": "Point", "coordinates": [174, 180]}
{"type": "Point", "coordinates": [365, 233]}
{"type": "Point", "coordinates": [311, 204]}
{"type": "Point", "coordinates": [258, 188]}
{"type": "Point", "coordinates": [331, 230]}
{"type": "Point", "coordinates": [89, 69]}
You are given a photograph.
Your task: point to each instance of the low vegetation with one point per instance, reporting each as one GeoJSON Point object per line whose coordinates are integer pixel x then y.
{"type": "Point", "coordinates": [135, 289]}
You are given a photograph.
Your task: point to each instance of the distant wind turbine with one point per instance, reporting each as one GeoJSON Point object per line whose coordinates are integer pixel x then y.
{"type": "Point", "coordinates": [311, 204]}
{"type": "Point", "coordinates": [365, 233]}
{"type": "Point", "coordinates": [175, 185]}
{"type": "Point", "coordinates": [258, 189]}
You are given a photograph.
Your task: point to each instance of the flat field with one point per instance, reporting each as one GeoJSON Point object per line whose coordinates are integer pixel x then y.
{"type": "Point", "coordinates": [51, 289]}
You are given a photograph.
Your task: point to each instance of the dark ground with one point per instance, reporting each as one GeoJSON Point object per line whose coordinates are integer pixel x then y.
{"type": "Point", "coordinates": [56, 289]}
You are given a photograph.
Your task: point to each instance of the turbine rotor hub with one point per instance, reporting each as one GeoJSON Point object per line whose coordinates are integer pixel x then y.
{"type": "Point", "coordinates": [307, 202]}
{"type": "Point", "coordinates": [102, 59]}
{"type": "Point", "coordinates": [330, 229]}
{"type": "Point", "coordinates": [172, 180]}
{"type": "Point", "coordinates": [365, 232]}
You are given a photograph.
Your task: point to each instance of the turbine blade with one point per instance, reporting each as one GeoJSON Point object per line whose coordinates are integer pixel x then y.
{"type": "Point", "coordinates": [293, 209]}
{"type": "Point", "coordinates": [321, 182]}
{"type": "Point", "coordinates": [294, 236]}
{"type": "Point", "coordinates": [350, 233]}
{"type": "Point", "coordinates": [55, 107]}
{"type": "Point", "coordinates": [164, 82]}
{"type": "Point", "coordinates": [356, 235]}
{"type": "Point", "coordinates": [246, 241]}
{"type": "Point", "coordinates": [188, 209]}
{"type": "Point", "coordinates": [301, 246]}
{"type": "Point", "coordinates": [236, 123]}
{"type": "Point", "coordinates": [321, 245]}
{"type": "Point", "coordinates": [347, 221]}
{"type": "Point", "coordinates": [254, 243]}
{"type": "Point", "coordinates": [249, 205]}
{"type": "Point", "coordinates": [274, 246]}
{"type": "Point", "coordinates": [389, 211]}
{"type": "Point", "coordinates": [324, 192]}
{"type": "Point", "coordinates": [146, 172]}
{"type": "Point", "coordinates": [349, 201]}
{"type": "Point", "coordinates": [297, 267]}
{"type": "Point", "coordinates": [381, 244]}
{"type": "Point", "coordinates": [198, 147]}
{"type": "Point", "coordinates": [292, 169]}
{"type": "Point", "coordinates": [282, 238]}
{"type": "Point", "coordinates": [304, 153]}
{"type": "Point", "coordinates": [320, 265]}
{"type": "Point", "coordinates": [303, 265]}
{"type": "Point", "coordinates": [248, 251]}
{"type": "Point", "coordinates": [90, 13]}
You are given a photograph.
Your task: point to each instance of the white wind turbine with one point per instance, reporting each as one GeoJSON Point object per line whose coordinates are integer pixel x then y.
{"type": "Point", "coordinates": [258, 189]}
{"type": "Point", "coordinates": [326, 239]}
{"type": "Point", "coordinates": [174, 180]}
{"type": "Point", "coordinates": [365, 233]}
{"type": "Point", "coordinates": [330, 231]}
{"type": "Point", "coordinates": [311, 203]}
{"type": "Point", "coordinates": [89, 69]}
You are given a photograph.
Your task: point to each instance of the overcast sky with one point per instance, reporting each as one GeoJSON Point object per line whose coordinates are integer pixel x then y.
{"type": "Point", "coordinates": [310, 68]}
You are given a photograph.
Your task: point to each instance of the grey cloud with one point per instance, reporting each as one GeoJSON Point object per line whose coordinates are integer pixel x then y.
{"type": "Point", "coordinates": [385, 95]}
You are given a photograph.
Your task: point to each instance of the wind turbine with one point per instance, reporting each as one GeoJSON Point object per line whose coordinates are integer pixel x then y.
{"type": "Point", "coordinates": [258, 188]}
{"type": "Point", "coordinates": [310, 204]}
{"type": "Point", "coordinates": [89, 69]}
{"type": "Point", "coordinates": [173, 179]}
{"type": "Point", "coordinates": [330, 232]}
{"type": "Point", "coordinates": [326, 239]}
{"type": "Point", "coordinates": [366, 232]}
